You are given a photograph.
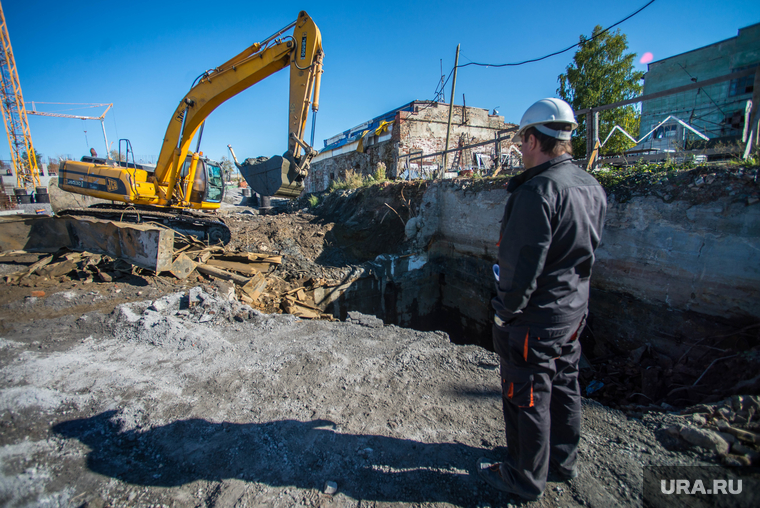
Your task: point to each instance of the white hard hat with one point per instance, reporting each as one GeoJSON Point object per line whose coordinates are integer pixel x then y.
{"type": "Point", "coordinates": [548, 111]}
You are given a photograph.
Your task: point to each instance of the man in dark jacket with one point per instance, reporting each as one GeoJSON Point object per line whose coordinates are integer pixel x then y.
{"type": "Point", "coordinates": [551, 227]}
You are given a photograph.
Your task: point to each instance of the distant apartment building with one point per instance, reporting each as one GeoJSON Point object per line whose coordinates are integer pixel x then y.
{"type": "Point", "coordinates": [717, 111]}
{"type": "Point", "coordinates": [397, 137]}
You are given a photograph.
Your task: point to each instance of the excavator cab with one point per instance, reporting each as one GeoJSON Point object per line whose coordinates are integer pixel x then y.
{"type": "Point", "coordinates": [208, 185]}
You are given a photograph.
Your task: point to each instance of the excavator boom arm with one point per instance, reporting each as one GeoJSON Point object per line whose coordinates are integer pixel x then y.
{"type": "Point", "coordinates": [302, 52]}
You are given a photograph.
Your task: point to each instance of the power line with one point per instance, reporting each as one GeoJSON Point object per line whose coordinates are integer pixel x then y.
{"type": "Point", "coordinates": [439, 90]}
{"type": "Point", "coordinates": [564, 50]}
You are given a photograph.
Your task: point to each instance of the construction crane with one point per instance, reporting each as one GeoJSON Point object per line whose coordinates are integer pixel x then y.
{"type": "Point", "coordinates": [80, 117]}
{"type": "Point", "coordinates": [14, 114]}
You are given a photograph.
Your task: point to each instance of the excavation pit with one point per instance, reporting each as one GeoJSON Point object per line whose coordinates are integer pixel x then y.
{"type": "Point", "coordinates": [424, 292]}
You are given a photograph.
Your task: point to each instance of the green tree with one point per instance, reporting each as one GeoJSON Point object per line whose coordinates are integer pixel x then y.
{"type": "Point", "coordinates": [227, 167]}
{"type": "Point", "coordinates": [115, 155]}
{"type": "Point", "coordinates": [602, 73]}
{"type": "Point", "coordinates": [25, 159]}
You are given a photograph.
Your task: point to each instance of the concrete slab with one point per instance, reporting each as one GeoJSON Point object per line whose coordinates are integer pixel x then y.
{"type": "Point", "coordinates": [146, 246]}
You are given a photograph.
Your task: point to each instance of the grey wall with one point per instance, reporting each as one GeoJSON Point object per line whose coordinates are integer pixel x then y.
{"type": "Point", "coordinates": [664, 271]}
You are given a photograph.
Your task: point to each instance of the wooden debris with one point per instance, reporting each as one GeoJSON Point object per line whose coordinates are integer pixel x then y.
{"type": "Point", "coordinates": [177, 252]}
{"type": "Point", "coordinates": [12, 253]}
{"type": "Point", "coordinates": [20, 257]}
{"type": "Point", "coordinates": [23, 274]}
{"type": "Point", "coordinates": [298, 309]}
{"type": "Point", "coordinates": [204, 256]}
{"type": "Point", "coordinates": [84, 276]}
{"type": "Point", "coordinates": [254, 257]}
{"type": "Point", "coordinates": [221, 274]}
{"type": "Point", "coordinates": [182, 267]}
{"type": "Point", "coordinates": [39, 264]}
{"type": "Point", "coordinates": [58, 269]}
{"type": "Point", "coordinates": [235, 266]}
{"type": "Point", "coordinates": [246, 270]}
{"type": "Point", "coordinates": [301, 304]}
{"type": "Point", "coordinates": [105, 277]}
{"type": "Point", "coordinates": [255, 286]}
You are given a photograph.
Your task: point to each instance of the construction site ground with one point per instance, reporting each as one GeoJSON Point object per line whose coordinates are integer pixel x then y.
{"type": "Point", "coordinates": [149, 390]}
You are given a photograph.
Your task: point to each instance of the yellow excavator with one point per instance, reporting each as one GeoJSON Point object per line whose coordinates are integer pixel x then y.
{"type": "Point", "coordinates": [183, 182]}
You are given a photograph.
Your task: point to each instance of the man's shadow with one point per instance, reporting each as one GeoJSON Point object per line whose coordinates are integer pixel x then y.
{"type": "Point", "coordinates": [279, 453]}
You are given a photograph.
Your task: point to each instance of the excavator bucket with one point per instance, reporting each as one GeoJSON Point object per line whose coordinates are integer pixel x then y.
{"type": "Point", "coordinates": [276, 176]}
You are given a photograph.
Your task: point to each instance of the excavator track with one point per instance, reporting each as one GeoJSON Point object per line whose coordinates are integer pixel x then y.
{"type": "Point", "coordinates": [186, 222]}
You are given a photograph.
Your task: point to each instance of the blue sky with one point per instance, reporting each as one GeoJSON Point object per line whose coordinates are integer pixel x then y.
{"type": "Point", "coordinates": [143, 56]}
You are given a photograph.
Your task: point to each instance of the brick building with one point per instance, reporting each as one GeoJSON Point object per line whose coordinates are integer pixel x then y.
{"type": "Point", "coordinates": [399, 136]}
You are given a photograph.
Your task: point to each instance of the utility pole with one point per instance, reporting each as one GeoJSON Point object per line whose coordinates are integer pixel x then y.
{"type": "Point", "coordinates": [451, 113]}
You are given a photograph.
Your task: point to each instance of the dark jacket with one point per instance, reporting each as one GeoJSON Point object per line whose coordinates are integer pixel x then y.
{"type": "Point", "coordinates": [552, 224]}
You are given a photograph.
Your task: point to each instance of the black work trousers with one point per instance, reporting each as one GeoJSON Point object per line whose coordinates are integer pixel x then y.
{"type": "Point", "coordinates": [542, 403]}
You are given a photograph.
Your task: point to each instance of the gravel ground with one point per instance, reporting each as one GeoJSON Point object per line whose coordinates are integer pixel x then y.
{"type": "Point", "coordinates": [195, 400]}
{"type": "Point", "coordinates": [154, 392]}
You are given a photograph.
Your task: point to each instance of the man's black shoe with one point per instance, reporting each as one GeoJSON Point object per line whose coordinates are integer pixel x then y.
{"type": "Point", "coordinates": [555, 475]}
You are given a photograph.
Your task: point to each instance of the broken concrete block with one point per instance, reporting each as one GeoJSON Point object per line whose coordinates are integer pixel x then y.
{"type": "Point", "coordinates": [706, 439]}
{"type": "Point", "coordinates": [733, 461]}
{"type": "Point", "coordinates": [412, 226]}
{"type": "Point", "coordinates": [364, 320]}
{"type": "Point", "coordinates": [194, 296]}
{"type": "Point", "coordinates": [226, 290]}
{"type": "Point", "coordinates": [751, 454]}
{"type": "Point", "coordinates": [126, 313]}
{"type": "Point", "coordinates": [146, 246]}
{"type": "Point", "coordinates": [637, 353]}
{"type": "Point", "coordinates": [168, 302]}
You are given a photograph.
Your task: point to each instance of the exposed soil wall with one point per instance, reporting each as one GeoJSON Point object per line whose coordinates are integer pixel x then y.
{"type": "Point", "coordinates": [690, 260]}
{"type": "Point", "coordinates": [680, 266]}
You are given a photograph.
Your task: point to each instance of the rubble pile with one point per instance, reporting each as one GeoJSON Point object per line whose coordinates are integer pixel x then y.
{"type": "Point", "coordinates": [267, 280]}
{"type": "Point", "coordinates": [648, 380]}
{"type": "Point", "coordinates": [729, 429]}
